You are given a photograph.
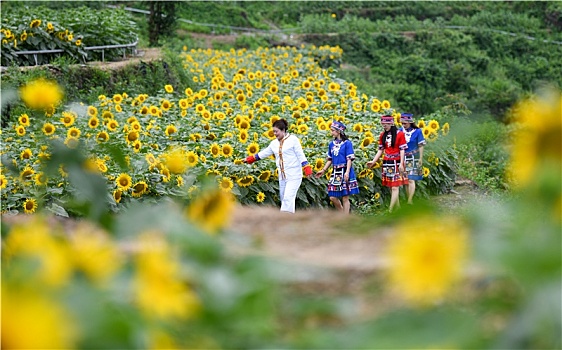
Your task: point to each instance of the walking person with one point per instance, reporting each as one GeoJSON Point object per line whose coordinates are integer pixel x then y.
{"type": "Point", "coordinates": [392, 143]}
{"type": "Point", "coordinates": [343, 182]}
{"type": "Point", "coordinates": [413, 155]}
{"type": "Point", "coordinates": [290, 161]}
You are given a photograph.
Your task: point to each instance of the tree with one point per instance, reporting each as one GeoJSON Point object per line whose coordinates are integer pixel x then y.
{"type": "Point", "coordinates": [161, 20]}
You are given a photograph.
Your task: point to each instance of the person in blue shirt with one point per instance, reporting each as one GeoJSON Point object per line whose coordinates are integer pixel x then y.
{"type": "Point", "coordinates": [343, 181]}
{"type": "Point", "coordinates": [414, 153]}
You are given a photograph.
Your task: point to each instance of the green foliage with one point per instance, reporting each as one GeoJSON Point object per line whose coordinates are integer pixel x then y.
{"type": "Point", "coordinates": [482, 154]}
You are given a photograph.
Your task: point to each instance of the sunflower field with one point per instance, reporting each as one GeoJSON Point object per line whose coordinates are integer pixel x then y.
{"type": "Point", "coordinates": [149, 147]}
{"type": "Point", "coordinates": [70, 30]}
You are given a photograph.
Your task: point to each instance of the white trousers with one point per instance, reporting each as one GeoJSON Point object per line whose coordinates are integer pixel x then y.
{"type": "Point", "coordinates": [288, 193]}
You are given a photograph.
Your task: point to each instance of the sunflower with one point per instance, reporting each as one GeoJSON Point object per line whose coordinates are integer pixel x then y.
{"type": "Point", "coordinates": [306, 84]}
{"type": "Point", "coordinates": [132, 136]}
{"type": "Point", "coordinates": [170, 130]}
{"type": "Point", "coordinates": [112, 125]}
{"type": "Point", "coordinates": [169, 88]}
{"type": "Point", "coordinates": [139, 189]}
{"type": "Point", "coordinates": [49, 129]}
{"type": "Point", "coordinates": [445, 129]}
{"type": "Point", "coordinates": [432, 136]}
{"type": "Point", "coordinates": [92, 111]}
{"type": "Point", "coordinates": [226, 184]}
{"type": "Point", "coordinates": [433, 125]}
{"type": "Point", "coordinates": [199, 108]}
{"type": "Point", "coordinates": [35, 23]}
{"type": "Point", "coordinates": [244, 124]}
{"type": "Point", "coordinates": [425, 172]}
{"type": "Point", "coordinates": [20, 130]}
{"type": "Point", "coordinates": [318, 164]}
{"type": "Point", "coordinates": [333, 86]}
{"type": "Point", "coordinates": [375, 107]}
{"type": "Point", "coordinates": [71, 142]}
{"type": "Point", "coordinates": [137, 145]}
{"type": "Point", "coordinates": [385, 104]}
{"type": "Point", "coordinates": [366, 142]}
{"type": "Point", "coordinates": [93, 122]}
{"type": "Point", "coordinates": [357, 106]}
{"type": "Point", "coordinates": [117, 98]}
{"type": "Point", "coordinates": [253, 148]}
{"type": "Point", "coordinates": [106, 115]}
{"type": "Point", "coordinates": [241, 98]}
{"type": "Point", "coordinates": [426, 132]}
{"type": "Point", "coordinates": [117, 194]}
{"type": "Point", "coordinates": [227, 150]}
{"type": "Point", "coordinates": [123, 182]}
{"type": "Point", "coordinates": [260, 197]}
{"type": "Point", "coordinates": [243, 136]}
{"type": "Point", "coordinates": [245, 181]}
{"type": "Point", "coordinates": [421, 124]}
{"type": "Point", "coordinates": [377, 196]}
{"type": "Point", "coordinates": [101, 165]}
{"type": "Point", "coordinates": [264, 175]}
{"type": "Point", "coordinates": [26, 154]}
{"type": "Point", "coordinates": [153, 110]}
{"type": "Point", "coordinates": [215, 150]}
{"type": "Point", "coordinates": [192, 159]}
{"type": "Point", "coordinates": [151, 160]}
{"type": "Point", "coordinates": [358, 127]}
{"type": "Point", "coordinates": [211, 210]}
{"type": "Point", "coordinates": [166, 105]}
{"type": "Point", "coordinates": [24, 120]}
{"type": "Point", "coordinates": [29, 206]}
{"type": "Point", "coordinates": [67, 119]}
{"type": "Point", "coordinates": [73, 132]}
{"type": "Point", "coordinates": [180, 181]}
{"type": "Point", "coordinates": [102, 136]}
{"type": "Point", "coordinates": [3, 181]}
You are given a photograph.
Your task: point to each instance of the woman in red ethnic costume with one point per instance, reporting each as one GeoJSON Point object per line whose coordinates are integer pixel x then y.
{"type": "Point", "coordinates": [392, 143]}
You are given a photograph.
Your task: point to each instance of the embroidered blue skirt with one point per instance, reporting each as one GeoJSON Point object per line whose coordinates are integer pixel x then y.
{"type": "Point", "coordinates": [337, 187]}
{"type": "Point", "coordinates": [412, 170]}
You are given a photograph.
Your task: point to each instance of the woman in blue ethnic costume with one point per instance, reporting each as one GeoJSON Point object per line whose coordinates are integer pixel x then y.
{"type": "Point", "coordinates": [343, 182]}
{"type": "Point", "coordinates": [414, 153]}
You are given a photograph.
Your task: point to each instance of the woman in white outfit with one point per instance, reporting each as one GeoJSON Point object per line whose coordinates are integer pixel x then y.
{"type": "Point", "coordinates": [290, 160]}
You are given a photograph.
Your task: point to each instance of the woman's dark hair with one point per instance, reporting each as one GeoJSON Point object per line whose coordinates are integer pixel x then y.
{"type": "Point", "coordinates": [414, 125]}
{"type": "Point", "coordinates": [393, 132]}
{"type": "Point", "coordinates": [343, 136]}
{"type": "Point", "coordinates": [281, 124]}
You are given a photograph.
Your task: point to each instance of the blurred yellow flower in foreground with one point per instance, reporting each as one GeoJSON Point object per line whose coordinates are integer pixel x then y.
{"type": "Point", "coordinates": [41, 94]}
{"type": "Point", "coordinates": [426, 258]}
{"type": "Point", "coordinates": [33, 239]}
{"type": "Point", "coordinates": [537, 141]}
{"type": "Point", "coordinates": [31, 321]}
{"type": "Point", "coordinates": [94, 253]}
{"type": "Point", "coordinates": [176, 160]}
{"type": "Point", "coordinates": [211, 210]}
{"type": "Point", "coordinates": [160, 290]}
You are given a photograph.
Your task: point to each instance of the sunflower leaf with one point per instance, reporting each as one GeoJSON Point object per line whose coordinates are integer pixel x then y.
{"type": "Point", "coordinates": [57, 210]}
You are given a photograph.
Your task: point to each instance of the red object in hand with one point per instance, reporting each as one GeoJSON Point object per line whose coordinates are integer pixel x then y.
{"type": "Point", "coordinates": [250, 159]}
{"type": "Point", "coordinates": [308, 170]}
